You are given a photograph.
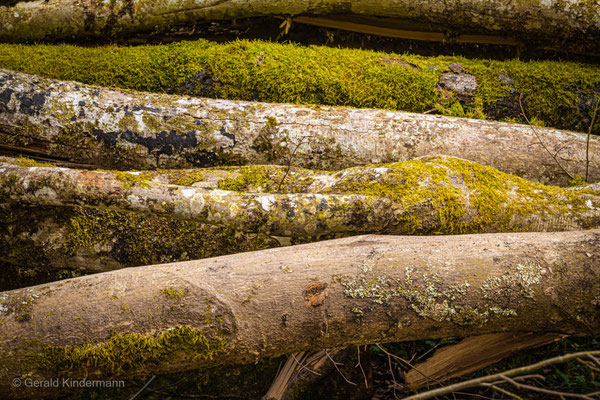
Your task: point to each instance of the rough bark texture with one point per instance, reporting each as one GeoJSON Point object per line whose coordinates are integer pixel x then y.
{"type": "Point", "coordinates": [574, 24]}
{"type": "Point", "coordinates": [245, 307]}
{"type": "Point", "coordinates": [96, 126]}
{"type": "Point", "coordinates": [431, 195]}
{"type": "Point", "coordinates": [555, 94]}
{"type": "Point", "coordinates": [99, 220]}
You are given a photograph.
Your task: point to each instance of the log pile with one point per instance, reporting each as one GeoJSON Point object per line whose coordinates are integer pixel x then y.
{"type": "Point", "coordinates": [228, 203]}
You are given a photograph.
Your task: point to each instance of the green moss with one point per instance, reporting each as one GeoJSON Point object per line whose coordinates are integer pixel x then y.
{"type": "Point", "coordinates": [134, 239]}
{"type": "Point", "coordinates": [172, 294]}
{"type": "Point", "coordinates": [266, 178]}
{"type": "Point", "coordinates": [130, 351]}
{"type": "Point", "coordinates": [132, 179]}
{"type": "Point", "coordinates": [558, 94]}
{"type": "Point", "coordinates": [450, 186]}
{"type": "Point", "coordinates": [182, 177]}
{"type": "Point", "coordinates": [128, 122]}
{"type": "Point", "coordinates": [25, 162]}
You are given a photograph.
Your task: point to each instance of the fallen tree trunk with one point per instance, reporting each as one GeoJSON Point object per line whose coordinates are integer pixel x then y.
{"type": "Point", "coordinates": [101, 220]}
{"type": "Point", "coordinates": [574, 26]}
{"type": "Point", "coordinates": [431, 195]}
{"type": "Point", "coordinates": [557, 94]}
{"type": "Point", "coordinates": [76, 123]}
{"type": "Point", "coordinates": [245, 307]}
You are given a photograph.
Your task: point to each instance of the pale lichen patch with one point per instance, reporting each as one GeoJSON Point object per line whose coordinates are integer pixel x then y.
{"type": "Point", "coordinates": [430, 297]}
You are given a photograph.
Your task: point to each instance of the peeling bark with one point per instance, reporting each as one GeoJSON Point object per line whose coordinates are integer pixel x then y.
{"type": "Point", "coordinates": [574, 25]}
{"type": "Point", "coordinates": [246, 307]}
{"type": "Point", "coordinates": [75, 123]}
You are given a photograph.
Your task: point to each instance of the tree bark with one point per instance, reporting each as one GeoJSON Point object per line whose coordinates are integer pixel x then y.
{"type": "Point", "coordinates": [556, 94]}
{"type": "Point", "coordinates": [575, 25]}
{"type": "Point", "coordinates": [101, 220]}
{"type": "Point", "coordinates": [246, 307]}
{"type": "Point", "coordinates": [74, 123]}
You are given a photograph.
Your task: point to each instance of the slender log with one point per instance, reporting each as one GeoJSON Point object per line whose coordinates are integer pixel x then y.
{"type": "Point", "coordinates": [88, 125]}
{"type": "Point", "coordinates": [556, 94]}
{"type": "Point", "coordinates": [245, 307]}
{"type": "Point", "coordinates": [576, 24]}
{"type": "Point", "coordinates": [100, 220]}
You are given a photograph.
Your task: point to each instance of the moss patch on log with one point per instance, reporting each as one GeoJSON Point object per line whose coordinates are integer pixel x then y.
{"type": "Point", "coordinates": [130, 351]}
{"type": "Point", "coordinates": [557, 94]}
{"type": "Point", "coordinates": [135, 239]}
{"type": "Point", "coordinates": [38, 244]}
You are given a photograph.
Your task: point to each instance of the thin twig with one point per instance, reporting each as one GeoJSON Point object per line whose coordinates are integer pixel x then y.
{"type": "Point", "coordinates": [409, 365]}
{"type": "Point", "coordinates": [393, 377]}
{"type": "Point", "coordinates": [587, 144]}
{"type": "Point", "coordinates": [546, 391]}
{"type": "Point", "coordinates": [361, 368]}
{"type": "Point", "coordinates": [492, 378]}
{"type": "Point", "coordinates": [594, 359]}
{"type": "Point", "coordinates": [540, 139]}
{"type": "Point", "coordinates": [304, 366]}
{"type": "Point", "coordinates": [338, 370]}
{"type": "Point", "coordinates": [143, 388]}
{"type": "Point", "coordinates": [290, 160]}
{"type": "Point", "coordinates": [521, 378]}
{"type": "Point", "coordinates": [506, 392]}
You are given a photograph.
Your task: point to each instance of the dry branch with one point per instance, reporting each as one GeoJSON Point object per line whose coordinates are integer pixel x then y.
{"type": "Point", "coordinates": [75, 123]}
{"type": "Point", "coordinates": [245, 307]}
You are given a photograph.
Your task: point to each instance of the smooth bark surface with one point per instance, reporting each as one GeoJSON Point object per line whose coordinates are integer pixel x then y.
{"type": "Point", "coordinates": [560, 24]}
{"type": "Point", "coordinates": [76, 123]}
{"type": "Point", "coordinates": [245, 307]}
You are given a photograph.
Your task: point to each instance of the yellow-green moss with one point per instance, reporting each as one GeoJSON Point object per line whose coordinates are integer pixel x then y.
{"type": "Point", "coordinates": [440, 182]}
{"type": "Point", "coordinates": [182, 177]}
{"type": "Point", "coordinates": [172, 294]}
{"type": "Point", "coordinates": [132, 179]}
{"type": "Point", "coordinates": [265, 178]}
{"type": "Point", "coordinates": [25, 162]}
{"type": "Point", "coordinates": [553, 92]}
{"type": "Point", "coordinates": [130, 351]}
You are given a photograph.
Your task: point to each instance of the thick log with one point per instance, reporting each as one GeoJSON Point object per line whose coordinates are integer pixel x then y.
{"type": "Point", "coordinates": [575, 25]}
{"type": "Point", "coordinates": [246, 307]}
{"type": "Point", "coordinates": [557, 94]}
{"type": "Point", "coordinates": [89, 125]}
{"type": "Point", "coordinates": [100, 220]}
